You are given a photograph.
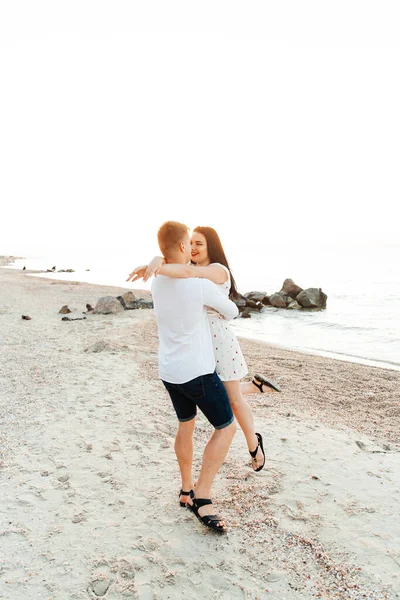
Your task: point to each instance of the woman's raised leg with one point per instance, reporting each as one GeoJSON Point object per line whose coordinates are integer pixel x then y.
{"type": "Point", "coordinates": [244, 416]}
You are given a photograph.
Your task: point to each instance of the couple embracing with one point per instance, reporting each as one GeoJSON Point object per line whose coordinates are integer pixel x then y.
{"type": "Point", "coordinates": [200, 360]}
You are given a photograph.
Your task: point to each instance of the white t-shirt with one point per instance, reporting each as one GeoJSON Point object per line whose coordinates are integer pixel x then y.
{"type": "Point", "coordinates": [185, 346]}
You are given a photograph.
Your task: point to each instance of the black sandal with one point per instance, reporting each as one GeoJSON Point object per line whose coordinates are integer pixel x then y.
{"type": "Point", "coordinates": [264, 381]}
{"type": "Point", "coordinates": [182, 493]}
{"type": "Point", "coordinates": [254, 452]}
{"type": "Point", "coordinates": [211, 521]}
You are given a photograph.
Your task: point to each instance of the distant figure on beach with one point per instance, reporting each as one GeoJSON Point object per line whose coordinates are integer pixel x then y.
{"type": "Point", "coordinates": [211, 263]}
{"type": "Point", "coordinates": [187, 369]}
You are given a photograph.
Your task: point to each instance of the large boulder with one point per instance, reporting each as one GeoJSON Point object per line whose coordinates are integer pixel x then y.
{"type": "Point", "coordinates": [277, 300]}
{"type": "Point", "coordinates": [239, 300]}
{"type": "Point", "coordinates": [256, 296]}
{"type": "Point", "coordinates": [312, 298]}
{"type": "Point", "coordinates": [128, 300]}
{"type": "Point", "coordinates": [255, 305]}
{"type": "Point", "coordinates": [289, 288]}
{"type": "Point", "coordinates": [108, 305]}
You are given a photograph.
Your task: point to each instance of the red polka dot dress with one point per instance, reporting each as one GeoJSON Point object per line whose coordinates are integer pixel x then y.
{"type": "Point", "coordinates": [230, 363]}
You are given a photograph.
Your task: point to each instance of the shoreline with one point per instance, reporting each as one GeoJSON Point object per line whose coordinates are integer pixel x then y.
{"type": "Point", "coordinates": [87, 454]}
{"type": "Point", "coordinates": [391, 366]}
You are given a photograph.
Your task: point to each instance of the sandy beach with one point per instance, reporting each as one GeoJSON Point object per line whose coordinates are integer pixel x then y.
{"type": "Point", "coordinates": [89, 481]}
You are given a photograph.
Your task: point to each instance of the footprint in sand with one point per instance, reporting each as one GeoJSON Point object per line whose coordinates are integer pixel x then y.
{"type": "Point", "coordinates": [99, 585]}
{"type": "Point", "coordinates": [116, 578]}
{"type": "Point", "coordinates": [30, 499]}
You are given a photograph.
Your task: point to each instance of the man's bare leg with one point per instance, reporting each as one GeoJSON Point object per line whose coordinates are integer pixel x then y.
{"type": "Point", "coordinates": [213, 457]}
{"type": "Point", "coordinates": [184, 454]}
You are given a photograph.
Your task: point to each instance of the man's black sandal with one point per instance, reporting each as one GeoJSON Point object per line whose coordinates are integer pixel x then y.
{"type": "Point", "coordinates": [182, 493]}
{"type": "Point", "coordinates": [264, 381]}
{"type": "Point", "coordinates": [254, 452]}
{"type": "Point", "coordinates": [211, 521]}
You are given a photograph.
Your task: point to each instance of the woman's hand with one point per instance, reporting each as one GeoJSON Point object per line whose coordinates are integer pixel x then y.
{"type": "Point", "coordinates": [153, 267]}
{"type": "Point", "coordinates": [137, 273]}
{"type": "Point", "coordinates": [147, 271]}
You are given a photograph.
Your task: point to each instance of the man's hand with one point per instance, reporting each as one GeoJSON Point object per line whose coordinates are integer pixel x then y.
{"type": "Point", "coordinates": [137, 273]}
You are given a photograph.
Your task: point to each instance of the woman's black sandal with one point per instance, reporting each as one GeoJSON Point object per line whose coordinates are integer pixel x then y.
{"type": "Point", "coordinates": [254, 452]}
{"type": "Point", "coordinates": [182, 493]}
{"type": "Point", "coordinates": [264, 381]}
{"type": "Point", "coordinates": [211, 521]}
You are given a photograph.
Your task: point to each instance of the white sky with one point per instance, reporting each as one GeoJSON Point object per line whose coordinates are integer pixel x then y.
{"type": "Point", "coordinates": [264, 120]}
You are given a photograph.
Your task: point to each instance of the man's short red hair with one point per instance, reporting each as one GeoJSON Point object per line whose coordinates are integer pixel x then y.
{"type": "Point", "coordinates": [170, 235]}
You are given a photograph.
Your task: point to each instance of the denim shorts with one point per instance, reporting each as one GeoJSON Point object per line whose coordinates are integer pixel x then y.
{"type": "Point", "coordinates": [206, 392]}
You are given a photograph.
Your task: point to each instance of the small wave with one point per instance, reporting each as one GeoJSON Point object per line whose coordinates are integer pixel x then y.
{"type": "Point", "coordinates": [341, 326]}
{"type": "Point", "coordinates": [357, 358]}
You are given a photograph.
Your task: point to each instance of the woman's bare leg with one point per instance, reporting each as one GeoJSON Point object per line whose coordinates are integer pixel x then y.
{"type": "Point", "coordinates": [246, 387]}
{"type": "Point", "coordinates": [244, 416]}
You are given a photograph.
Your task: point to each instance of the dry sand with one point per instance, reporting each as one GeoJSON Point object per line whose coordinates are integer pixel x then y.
{"type": "Point", "coordinates": [89, 481]}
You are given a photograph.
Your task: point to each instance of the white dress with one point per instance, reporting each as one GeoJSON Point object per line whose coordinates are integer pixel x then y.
{"type": "Point", "coordinates": [230, 363]}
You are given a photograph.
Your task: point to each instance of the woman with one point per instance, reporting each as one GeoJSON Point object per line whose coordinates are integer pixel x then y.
{"type": "Point", "coordinates": [211, 263]}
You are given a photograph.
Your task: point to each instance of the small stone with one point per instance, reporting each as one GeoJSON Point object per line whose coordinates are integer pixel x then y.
{"type": "Point", "coordinates": [44, 473]}
{"type": "Point", "coordinates": [63, 478]}
{"type": "Point", "coordinates": [64, 310]}
{"type": "Point", "coordinates": [26, 318]}
{"type": "Point", "coordinates": [75, 317]}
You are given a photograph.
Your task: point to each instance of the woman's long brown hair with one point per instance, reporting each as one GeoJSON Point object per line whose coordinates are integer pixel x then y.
{"type": "Point", "coordinates": [216, 254]}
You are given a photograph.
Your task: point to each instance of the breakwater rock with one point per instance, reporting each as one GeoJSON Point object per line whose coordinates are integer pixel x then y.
{"type": "Point", "coordinates": [291, 296]}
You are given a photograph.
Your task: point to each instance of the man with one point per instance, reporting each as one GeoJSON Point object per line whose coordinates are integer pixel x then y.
{"type": "Point", "coordinates": [187, 369]}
